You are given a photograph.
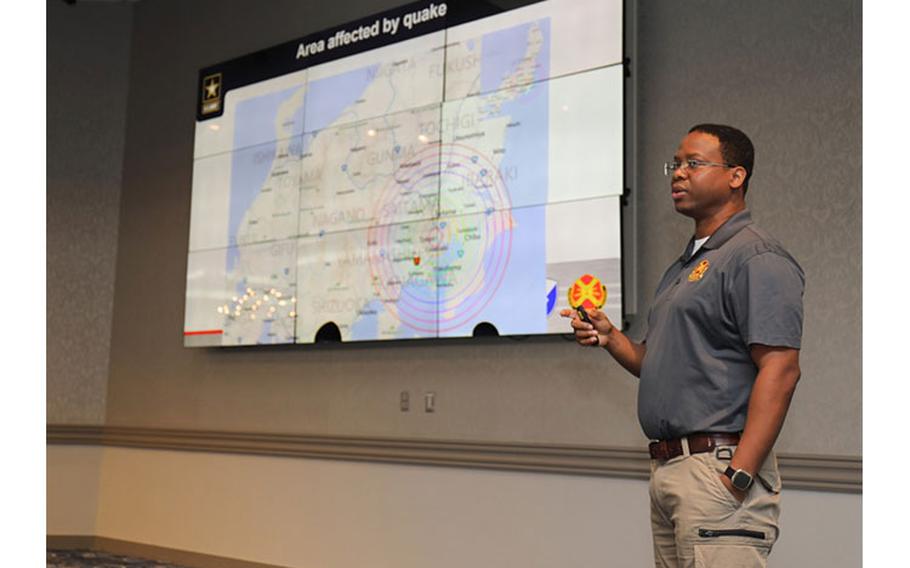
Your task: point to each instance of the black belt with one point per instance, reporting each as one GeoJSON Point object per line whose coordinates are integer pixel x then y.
{"type": "Point", "coordinates": [697, 443]}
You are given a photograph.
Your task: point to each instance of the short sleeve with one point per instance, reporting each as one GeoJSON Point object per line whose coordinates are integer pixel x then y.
{"type": "Point", "coordinates": [642, 335]}
{"type": "Point", "coordinates": [768, 301]}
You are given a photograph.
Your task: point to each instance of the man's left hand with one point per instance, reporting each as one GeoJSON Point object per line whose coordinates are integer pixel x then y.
{"type": "Point", "coordinates": [740, 495]}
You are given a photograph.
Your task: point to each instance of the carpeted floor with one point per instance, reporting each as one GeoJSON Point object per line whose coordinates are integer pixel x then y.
{"type": "Point", "coordinates": [91, 559]}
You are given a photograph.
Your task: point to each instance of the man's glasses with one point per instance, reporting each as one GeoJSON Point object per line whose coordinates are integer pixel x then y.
{"type": "Point", "coordinates": [691, 164]}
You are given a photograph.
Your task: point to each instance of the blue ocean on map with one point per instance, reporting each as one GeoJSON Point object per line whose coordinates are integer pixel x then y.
{"type": "Point", "coordinates": [503, 50]}
{"type": "Point", "coordinates": [418, 297]}
{"type": "Point", "coordinates": [255, 119]}
{"type": "Point", "coordinates": [240, 287]}
{"type": "Point", "coordinates": [327, 99]}
{"type": "Point", "coordinates": [366, 327]}
{"type": "Point", "coordinates": [254, 143]}
{"type": "Point", "coordinates": [415, 297]}
{"type": "Point", "coordinates": [517, 305]}
{"type": "Point", "coordinates": [524, 168]}
{"type": "Point", "coordinates": [250, 168]}
{"type": "Point", "coordinates": [417, 304]}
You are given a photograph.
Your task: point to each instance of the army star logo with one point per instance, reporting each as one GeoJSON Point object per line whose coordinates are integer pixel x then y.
{"type": "Point", "coordinates": [211, 93]}
{"type": "Point", "coordinates": [699, 271]}
{"type": "Point", "coordinates": [212, 86]}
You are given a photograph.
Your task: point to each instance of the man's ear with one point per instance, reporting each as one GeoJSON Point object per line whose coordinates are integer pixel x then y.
{"type": "Point", "coordinates": [738, 177]}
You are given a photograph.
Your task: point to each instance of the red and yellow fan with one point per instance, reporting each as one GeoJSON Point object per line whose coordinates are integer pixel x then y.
{"type": "Point", "coordinates": [587, 292]}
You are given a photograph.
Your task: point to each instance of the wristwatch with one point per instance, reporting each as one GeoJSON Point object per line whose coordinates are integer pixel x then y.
{"type": "Point", "coordinates": [740, 478]}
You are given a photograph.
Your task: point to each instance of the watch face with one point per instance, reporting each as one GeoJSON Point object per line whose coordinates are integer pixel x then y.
{"type": "Point", "coordinates": [741, 480]}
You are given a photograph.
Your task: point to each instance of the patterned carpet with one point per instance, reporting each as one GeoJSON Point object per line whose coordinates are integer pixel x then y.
{"type": "Point", "coordinates": [91, 559]}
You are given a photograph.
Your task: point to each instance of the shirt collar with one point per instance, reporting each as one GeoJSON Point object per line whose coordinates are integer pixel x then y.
{"type": "Point", "coordinates": [723, 233]}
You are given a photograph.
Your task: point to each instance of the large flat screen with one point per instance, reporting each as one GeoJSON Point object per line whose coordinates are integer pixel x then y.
{"type": "Point", "coordinates": [418, 173]}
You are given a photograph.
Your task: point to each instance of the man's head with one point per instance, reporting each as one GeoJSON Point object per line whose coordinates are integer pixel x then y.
{"type": "Point", "coordinates": [714, 165]}
{"type": "Point", "coordinates": [735, 147]}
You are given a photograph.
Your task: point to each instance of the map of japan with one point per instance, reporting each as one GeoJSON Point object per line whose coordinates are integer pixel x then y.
{"type": "Point", "coordinates": [404, 192]}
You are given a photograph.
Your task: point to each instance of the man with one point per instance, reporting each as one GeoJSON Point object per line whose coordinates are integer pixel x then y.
{"type": "Point", "coordinates": [718, 364]}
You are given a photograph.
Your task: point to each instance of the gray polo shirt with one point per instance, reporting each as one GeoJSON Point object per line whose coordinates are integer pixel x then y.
{"type": "Point", "coordinates": [740, 288]}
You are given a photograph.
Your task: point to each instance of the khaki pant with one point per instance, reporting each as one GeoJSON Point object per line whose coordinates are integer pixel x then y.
{"type": "Point", "coordinates": [697, 523]}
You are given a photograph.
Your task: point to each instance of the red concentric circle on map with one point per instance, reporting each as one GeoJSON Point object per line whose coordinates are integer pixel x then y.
{"type": "Point", "coordinates": [428, 299]}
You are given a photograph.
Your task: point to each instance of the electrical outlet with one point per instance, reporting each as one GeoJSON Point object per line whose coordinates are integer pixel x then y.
{"type": "Point", "coordinates": [430, 402]}
{"type": "Point", "coordinates": [405, 401]}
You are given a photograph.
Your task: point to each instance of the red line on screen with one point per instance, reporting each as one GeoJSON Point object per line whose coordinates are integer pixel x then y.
{"type": "Point", "coordinates": [205, 332]}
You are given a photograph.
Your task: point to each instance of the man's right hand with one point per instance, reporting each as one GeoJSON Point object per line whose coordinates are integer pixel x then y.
{"type": "Point", "coordinates": [590, 334]}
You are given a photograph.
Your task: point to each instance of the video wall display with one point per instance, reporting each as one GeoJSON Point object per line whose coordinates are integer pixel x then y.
{"type": "Point", "coordinates": [413, 174]}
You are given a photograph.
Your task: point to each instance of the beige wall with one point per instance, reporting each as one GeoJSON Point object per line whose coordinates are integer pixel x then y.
{"type": "Point", "coordinates": [73, 477]}
{"type": "Point", "coordinates": [298, 512]}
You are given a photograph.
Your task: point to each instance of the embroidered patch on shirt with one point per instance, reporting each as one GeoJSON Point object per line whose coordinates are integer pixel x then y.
{"type": "Point", "coordinates": [699, 271]}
